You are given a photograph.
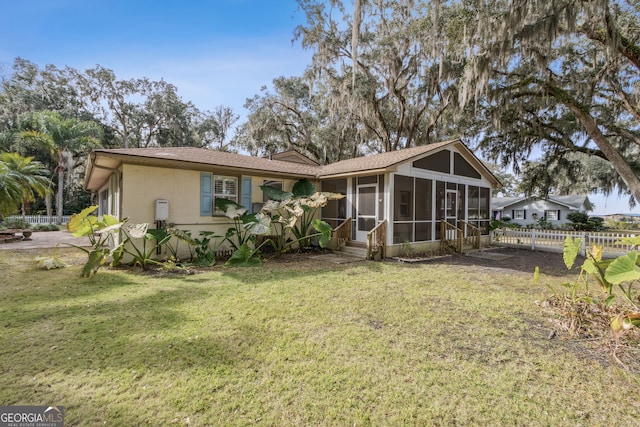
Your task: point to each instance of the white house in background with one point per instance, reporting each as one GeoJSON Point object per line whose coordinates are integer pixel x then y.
{"type": "Point", "coordinates": [529, 210]}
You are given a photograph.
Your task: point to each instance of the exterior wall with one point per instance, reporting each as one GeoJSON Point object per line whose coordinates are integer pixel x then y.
{"type": "Point", "coordinates": [425, 248]}
{"type": "Point", "coordinates": [534, 210]}
{"type": "Point", "coordinates": [142, 185]}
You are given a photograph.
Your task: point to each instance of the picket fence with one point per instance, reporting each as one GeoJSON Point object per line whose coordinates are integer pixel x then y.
{"type": "Point", "coordinates": [553, 240]}
{"type": "Point", "coordinates": [38, 219]}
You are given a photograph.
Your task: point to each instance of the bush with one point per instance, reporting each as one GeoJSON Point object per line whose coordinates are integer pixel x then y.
{"type": "Point", "coordinates": [15, 224]}
{"type": "Point", "coordinates": [46, 227]}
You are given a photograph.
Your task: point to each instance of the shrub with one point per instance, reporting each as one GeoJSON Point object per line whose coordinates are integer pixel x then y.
{"type": "Point", "coordinates": [18, 223]}
{"type": "Point", "coordinates": [46, 227]}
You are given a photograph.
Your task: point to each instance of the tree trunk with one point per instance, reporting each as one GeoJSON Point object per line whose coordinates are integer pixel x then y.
{"type": "Point", "coordinates": [47, 203]}
{"type": "Point", "coordinates": [59, 193]}
{"type": "Point", "coordinates": [619, 164]}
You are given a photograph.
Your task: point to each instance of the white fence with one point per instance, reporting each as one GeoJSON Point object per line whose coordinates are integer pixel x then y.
{"type": "Point", "coordinates": [38, 219]}
{"type": "Point", "coordinates": [553, 240]}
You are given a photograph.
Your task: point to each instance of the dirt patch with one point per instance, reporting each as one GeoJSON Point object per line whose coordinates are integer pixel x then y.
{"type": "Point", "coordinates": [521, 260]}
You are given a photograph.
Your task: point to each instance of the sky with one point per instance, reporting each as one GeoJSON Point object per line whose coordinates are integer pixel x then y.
{"type": "Point", "coordinates": [216, 52]}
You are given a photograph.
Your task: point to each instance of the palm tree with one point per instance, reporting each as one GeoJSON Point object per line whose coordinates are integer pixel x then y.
{"type": "Point", "coordinates": [21, 179]}
{"type": "Point", "coordinates": [62, 139]}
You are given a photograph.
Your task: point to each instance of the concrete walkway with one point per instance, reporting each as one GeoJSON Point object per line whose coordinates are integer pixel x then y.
{"type": "Point", "coordinates": [46, 239]}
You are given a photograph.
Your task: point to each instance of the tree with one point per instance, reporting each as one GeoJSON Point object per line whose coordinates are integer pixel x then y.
{"type": "Point", "coordinates": [392, 69]}
{"type": "Point", "coordinates": [509, 182]}
{"type": "Point", "coordinates": [144, 113]}
{"type": "Point", "coordinates": [561, 78]}
{"type": "Point", "coordinates": [31, 89]}
{"type": "Point", "coordinates": [62, 139]}
{"type": "Point", "coordinates": [21, 179]}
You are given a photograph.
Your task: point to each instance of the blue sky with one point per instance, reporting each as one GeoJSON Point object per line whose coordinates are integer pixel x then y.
{"type": "Point", "coordinates": [216, 52]}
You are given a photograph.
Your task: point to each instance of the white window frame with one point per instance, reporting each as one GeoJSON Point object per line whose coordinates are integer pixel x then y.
{"type": "Point", "coordinates": [228, 192]}
{"type": "Point", "coordinates": [555, 211]}
{"type": "Point", "coordinates": [519, 214]}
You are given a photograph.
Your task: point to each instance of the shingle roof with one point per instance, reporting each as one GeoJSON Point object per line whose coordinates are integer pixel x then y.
{"type": "Point", "coordinates": [212, 158]}
{"type": "Point", "coordinates": [501, 202]}
{"type": "Point", "coordinates": [574, 201]}
{"type": "Point", "coordinates": [191, 157]}
{"type": "Point", "coordinates": [380, 161]}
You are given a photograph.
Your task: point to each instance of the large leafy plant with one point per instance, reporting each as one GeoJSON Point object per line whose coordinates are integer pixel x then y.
{"type": "Point", "coordinates": [623, 272]}
{"type": "Point", "coordinates": [141, 243]}
{"type": "Point", "coordinates": [101, 234]}
{"type": "Point", "coordinates": [296, 211]}
{"type": "Point", "coordinates": [242, 236]}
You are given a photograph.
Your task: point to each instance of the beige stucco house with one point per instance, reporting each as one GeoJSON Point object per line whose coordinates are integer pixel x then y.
{"type": "Point", "coordinates": [411, 192]}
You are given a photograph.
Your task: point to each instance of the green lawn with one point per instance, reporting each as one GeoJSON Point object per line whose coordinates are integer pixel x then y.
{"type": "Point", "coordinates": [299, 344]}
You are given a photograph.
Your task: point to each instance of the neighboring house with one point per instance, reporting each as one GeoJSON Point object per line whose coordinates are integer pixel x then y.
{"type": "Point", "coordinates": [529, 210]}
{"type": "Point", "coordinates": [412, 189]}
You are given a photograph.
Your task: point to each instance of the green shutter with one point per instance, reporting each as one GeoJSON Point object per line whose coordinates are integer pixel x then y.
{"type": "Point", "coordinates": [206, 195]}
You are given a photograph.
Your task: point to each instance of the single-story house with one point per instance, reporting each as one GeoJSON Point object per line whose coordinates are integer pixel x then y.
{"type": "Point", "coordinates": [410, 190]}
{"type": "Point", "coordinates": [529, 210]}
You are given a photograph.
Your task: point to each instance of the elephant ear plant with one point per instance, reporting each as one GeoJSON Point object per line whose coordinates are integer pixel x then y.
{"type": "Point", "coordinates": [623, 272]}
{"type": "Point", "coordinates": [245, 228]}
{"type": "Point", "coordinates": [101, 234]}
{"type": "Point", "coordinates": [296, 211]}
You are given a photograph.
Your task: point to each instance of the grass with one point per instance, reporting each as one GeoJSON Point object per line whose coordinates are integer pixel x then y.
{"type": "Point", "coordinates": [298, 344]}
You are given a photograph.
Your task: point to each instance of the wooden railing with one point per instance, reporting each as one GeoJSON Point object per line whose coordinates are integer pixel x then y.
{"type": "Point", "coordinates": [471, 234]}
{"type": "Point", "coordinates": [450, 235]}
{"type": "Point", "coordinates": [376, 239]}
{"type": "Point", "coordinates": [342, 234]}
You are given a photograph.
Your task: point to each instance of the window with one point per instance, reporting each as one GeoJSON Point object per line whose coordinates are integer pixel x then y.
{"type": "Point", "coordinates": [104, 202]}
{"type": "Point", "coordinates": [552, 215]}
{"type": "Point", "coordinates": [519, 214]}
{"type": "Point", "coordinates": [216, 187]}
{"type": "Point", "coordinates": [273, 184]}
{"type": "Point", "coordinates": [225, 187]}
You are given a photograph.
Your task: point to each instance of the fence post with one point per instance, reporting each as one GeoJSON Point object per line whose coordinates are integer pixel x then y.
{"type": "Point", "coordinates": [583, 247]}
{"type": "Point", "coordinates": [533, 239]}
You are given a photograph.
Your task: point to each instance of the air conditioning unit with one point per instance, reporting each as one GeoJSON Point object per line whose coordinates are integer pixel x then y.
{"type": "Point", "coordinates": [162, 210]}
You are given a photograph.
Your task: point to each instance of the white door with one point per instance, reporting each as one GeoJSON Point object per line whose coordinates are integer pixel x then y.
{"type": "Point", "coordinates": [366, 210]}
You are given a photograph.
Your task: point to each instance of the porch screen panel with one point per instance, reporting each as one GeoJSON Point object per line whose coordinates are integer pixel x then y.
{"type": "Point", "coordinates": [402, 232]}
{"type": "Point", "coordinates": [485, 197]}
{"type": "Point", "coordinates": [423, 232]}
{"type": "Point", "coordinates": [335, 211]}
{"type": "Point", "coordinates": [403, 206]}
{"type": "Point", "coordinates": [461, 201]}
{"type": "Point", "coordinates": [423, 210]}
{"type": "Point", "coordinates": [440, 200]}
{"type": "Point", "coordinates": [440, 206]}
{"type": "Point", "coordinates": [403, 198]}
